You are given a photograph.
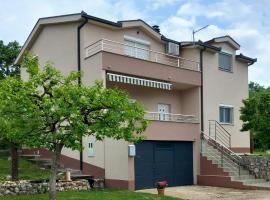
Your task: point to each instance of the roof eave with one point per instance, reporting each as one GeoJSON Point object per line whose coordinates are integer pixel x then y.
{"type": "Point", "coordinates": [203, 45]}
{"type": "Point", "coordinates": [39, 24]}
{"type": "Point", "coordinates": [248, 60]}
{"type": "Point", "coordinates": [230, 41]}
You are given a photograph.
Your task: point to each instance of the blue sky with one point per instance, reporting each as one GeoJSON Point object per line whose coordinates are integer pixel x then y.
{"type": "Point", "coordinates": [245, 20]}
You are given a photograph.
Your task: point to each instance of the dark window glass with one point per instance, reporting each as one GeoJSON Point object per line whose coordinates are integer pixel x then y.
{"type": "Point", "coordinates": [225, 114]}
{"type": "Point", "coordinates": [225, 61]}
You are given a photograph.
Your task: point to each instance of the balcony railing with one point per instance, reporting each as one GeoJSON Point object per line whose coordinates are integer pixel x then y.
{"type": "Point", "coordinates": [140, 53]}
{"type": "Point", "coordinates": [157, 116]}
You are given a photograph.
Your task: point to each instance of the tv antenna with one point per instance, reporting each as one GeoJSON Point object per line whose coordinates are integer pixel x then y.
{"type": "Point", "coordinates": [196, 31]}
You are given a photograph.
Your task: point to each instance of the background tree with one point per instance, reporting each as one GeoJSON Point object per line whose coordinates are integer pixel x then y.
{"type": "Point", "coordinates": [256, 117]}
{"type": "Point", "coordinates": [62, 112]}
{"type": "Point", "coordinates": [16, 122]}
{"type": "Point", "coordinates": [8, 54]}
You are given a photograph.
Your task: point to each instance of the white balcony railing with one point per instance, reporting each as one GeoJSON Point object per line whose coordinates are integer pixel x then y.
{"type": "Point", "coordinates": [156, 116]}
{"type": "Point", "coordinates": [140, 53]}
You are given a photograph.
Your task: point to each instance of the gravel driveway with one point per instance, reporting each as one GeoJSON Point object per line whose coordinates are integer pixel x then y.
{"type": "Point", "coordinates": [212, 193]}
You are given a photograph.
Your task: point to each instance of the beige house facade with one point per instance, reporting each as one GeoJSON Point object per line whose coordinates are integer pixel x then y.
{"type": "Point", "coordinates": [182, 86]}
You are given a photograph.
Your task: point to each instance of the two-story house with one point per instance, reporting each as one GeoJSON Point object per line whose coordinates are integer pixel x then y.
{"type": "Point", "coordinates": [182, 85]}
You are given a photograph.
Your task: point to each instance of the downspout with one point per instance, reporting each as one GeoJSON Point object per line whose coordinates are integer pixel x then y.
{"type": "Point", "coordinates": [201, 69]}
{"type": "Point", "coordinates": [79, 70]}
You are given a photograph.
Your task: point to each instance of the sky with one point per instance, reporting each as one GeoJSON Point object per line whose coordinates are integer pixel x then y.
{"type": "Point", "coordinates": [247, 21]}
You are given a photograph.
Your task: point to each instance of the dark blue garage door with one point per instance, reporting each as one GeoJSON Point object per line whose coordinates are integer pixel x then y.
{"type": "Point", "coordinates": [170, 161]}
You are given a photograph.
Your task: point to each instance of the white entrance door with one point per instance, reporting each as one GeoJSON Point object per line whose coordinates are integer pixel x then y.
{"type": "Point", "coordinates": [164, 110]}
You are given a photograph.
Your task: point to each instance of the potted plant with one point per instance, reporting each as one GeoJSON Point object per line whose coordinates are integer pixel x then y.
{"type": "Point", "coordinates": [161, 185]}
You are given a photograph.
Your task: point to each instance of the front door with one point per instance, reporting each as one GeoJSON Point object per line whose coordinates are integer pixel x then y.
{"type": "Point", "coordinates": [163, 110]}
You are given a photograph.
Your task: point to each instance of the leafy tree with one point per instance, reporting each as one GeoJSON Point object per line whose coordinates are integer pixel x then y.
{"type": "Point", "coordinates": [16, 122]}
{"type": "Point", "coordinates": [63, 112]}
{"type": "Point", "coordinates": [256, 117]}
{"type": "Point", "coordinates": [254, 89]}
{"type": "Point", "coordinates": [8, 54]}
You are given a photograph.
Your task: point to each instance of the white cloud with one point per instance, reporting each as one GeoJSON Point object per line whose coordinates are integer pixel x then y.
{"type": "Point", "coordinates": [19, 17]}
{"type": "Point", "coordinates": [156, 4]}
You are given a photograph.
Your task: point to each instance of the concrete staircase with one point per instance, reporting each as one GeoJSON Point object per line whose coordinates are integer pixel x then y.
{"type": "Point", "coordinates": [219, 169]}
{"type": "Point", "coordinates": [45, 162]}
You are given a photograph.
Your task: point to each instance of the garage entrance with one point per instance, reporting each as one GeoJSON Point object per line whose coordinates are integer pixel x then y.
{"type": "Point", "coordinates": [163, 160]}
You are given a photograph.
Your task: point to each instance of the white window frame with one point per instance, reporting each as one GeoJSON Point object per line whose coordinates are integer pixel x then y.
{"type": "Point", "coordinates": [138, 41]}
{"type": "Point", "coordinates": [91, 150]}
{"type": "Point", "coordinates": [164, 116]}
{"type": "Point", "coordinates": [232, 114]}
{"type": "Point", "coordinates": [224, 52]}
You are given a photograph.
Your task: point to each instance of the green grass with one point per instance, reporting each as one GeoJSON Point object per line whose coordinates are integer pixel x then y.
{"type": "Point", "coordinates": [93, 195]}
{"type": "Point", "coordinates": [27, 171]}
{"type": "Point", "coordinates": [260, 152]}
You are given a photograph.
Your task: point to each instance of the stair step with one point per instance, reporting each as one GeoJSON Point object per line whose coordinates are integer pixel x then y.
{"type": "Point", "coordinates": [225, 162]}
{"type": "Point", "coordinates": [242, 177]}
{"type": "Point", "coordinates": [234, 173]}
{"type": "Point", "coordinates": [253, 181]}
{"type": "Point", "coordinates": [263, 185]}
{"type": "Point", "coordinates": [30, 155]}
{"type": "Point", "coordinates": [39, 160]}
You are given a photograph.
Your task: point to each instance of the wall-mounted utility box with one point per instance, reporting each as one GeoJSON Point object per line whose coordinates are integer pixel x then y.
{"type": "Point", "coordinates": [131, 150]}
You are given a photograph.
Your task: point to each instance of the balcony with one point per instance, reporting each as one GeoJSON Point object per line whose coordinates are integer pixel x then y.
{"type": "Point", "coordinates": [172, 127]}
{"type": "Point", "coordinates": [170, 117]}
{"type": "Point", "coordinates": [117, 57]}
{"type": "Point", "coordinates": [140, 53]}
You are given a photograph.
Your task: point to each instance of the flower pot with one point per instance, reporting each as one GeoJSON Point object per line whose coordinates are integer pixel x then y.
{"type": "Point", "coordinates": [161, 191]}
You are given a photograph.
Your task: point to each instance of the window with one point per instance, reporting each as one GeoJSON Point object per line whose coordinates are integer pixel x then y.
{"type": "Point", "coordinates": [137, 48]}
{"type": "Point", "coordinates": [164, 111]}
{"type": "Point", "coordinates": [225, 114]}
{"type": "Point", "coordinates": [91, 149]}
{"type": "Point", "coordinates": [225, 61]}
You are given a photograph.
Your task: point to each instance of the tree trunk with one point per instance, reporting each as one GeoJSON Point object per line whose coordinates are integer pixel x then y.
{"type": "Point", "coordinates": [14, 162]}
{"type": "Point", "coordinates": [251, 143]}
{"type": "Point", "coordinates": [55, 164]}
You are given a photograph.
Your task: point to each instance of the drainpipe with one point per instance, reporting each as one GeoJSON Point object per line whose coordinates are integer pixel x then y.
{"type": "Point", "coordinates": [79, 70]}
{"type": "Point", "coordinates": [201, 69]}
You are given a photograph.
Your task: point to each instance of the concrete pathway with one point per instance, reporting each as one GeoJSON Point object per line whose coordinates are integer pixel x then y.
{"type": "Point", "coordinates": [212, 193]}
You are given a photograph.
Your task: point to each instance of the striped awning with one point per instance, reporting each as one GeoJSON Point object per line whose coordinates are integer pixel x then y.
{"type": "Point", "coordinates": [138, 81]}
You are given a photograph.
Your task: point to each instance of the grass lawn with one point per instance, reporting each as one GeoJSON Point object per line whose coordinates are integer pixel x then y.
{"type": "Point", "coordinates": [27, 170]}
{"type": "Point", "coordinates": [93, 195]}
{"type": "Point", "coordinates": [260, 152]}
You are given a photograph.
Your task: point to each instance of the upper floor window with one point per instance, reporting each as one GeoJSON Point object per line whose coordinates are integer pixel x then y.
{"type": "Point", "coordinates": [136, 48]}
{"type": "Point", "coordinates": [164, 111]}
{"type": "Point", "coordinates": [225, 61]}
{"type": "Point", "coordinates": [226, 114]}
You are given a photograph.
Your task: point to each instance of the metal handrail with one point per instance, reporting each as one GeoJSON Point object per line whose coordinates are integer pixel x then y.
{"type": "Point", "coordinates": [221, 127]}
{"type": "Point", "coordinates": [220, 132]}
{"type": "Point", "coordinates": [177, 59]}
{"type": "Point", "coordinates": [171, 117]}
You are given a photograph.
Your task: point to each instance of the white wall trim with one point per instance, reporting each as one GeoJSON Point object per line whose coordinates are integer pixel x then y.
{"type": "Point", "coordinates": [133, 39]}
{"type": "Point", "coordinates": [226, 105]}
{"type": "Point", "coordinates": [226, 51]}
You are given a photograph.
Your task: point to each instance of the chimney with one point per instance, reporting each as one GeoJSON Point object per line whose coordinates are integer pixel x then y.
{"type": "Point", "coordinates": [156, 28]}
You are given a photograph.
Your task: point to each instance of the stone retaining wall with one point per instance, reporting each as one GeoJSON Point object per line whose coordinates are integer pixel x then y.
{"type": "Point", "coordinates": [258, 165]}
{"type": "Point", "coordinates": [27, 187]}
